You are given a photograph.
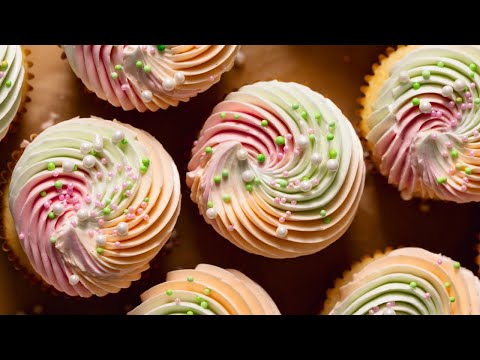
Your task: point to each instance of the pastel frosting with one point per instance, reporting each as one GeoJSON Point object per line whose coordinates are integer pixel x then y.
{"type": "Point", "coordinates": [277, 170]}
{"type": "Point", "coordinates": [93, 202]}
{"type": "Point", "coordinates": [12, 74]}
{"type": "Point", "coordinates": [149, 76]}
{"type": "Point", "coordinates": [409, 281]}
{"type": "Point", "coordinates": [424, 125]}
{"type": "Point", "coordinates": [206, 290]}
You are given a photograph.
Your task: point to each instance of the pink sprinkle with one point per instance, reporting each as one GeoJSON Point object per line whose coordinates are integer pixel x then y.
{"type": "Point", "coordinates": [288, 136]}
{"type": "Point", "coordinates": [475, 132]}
{"type": "Point", "coordinates": [77, 207]}
{"type": "Point", "coordinates": [98, 204]}
{"type": "Point", "coordinates": [119, 167]}
{"type": "Point", "coordinates": [272, 182]}
{"type": "Point", "coordinates": [390, 304]}
{"type": "Point", "coordinates": [472, 153]}
{"type": "Point", "coordinates": [135, 177]}
{"type": "Point", "coordinates": [288, 213]}
{"type": "Point", "coordinates": [124, 185]}
{"type": "Point", "coordinates": [285, 149]}
{"type": "Point", "coordinates": [434, 136]}
{"type": "Point", "coordinates": [451, 104]}
{"type": "Point", "coordinates": [129, 168]}
{"type": "Point", "coordinates": [114, 232]}
{"type": "Point", "coordinates": [448, 144]}
{"type": "Point", "coordinates": [143, 47]}
{"type": "Point", "coordinates": [131, 209]}
{"type": "Point", "coordinates": [280, 155]}
{"type": "Point", "coordinates": [282, 219]}
{"type": "Point", "coordinates": [143, 204]}
{"type": "Point", "coordinates": [151, 50]}
{"type": "Point", "coordinates": [99, 196]}
{"type": "Point", "coordinates": [463, 188]}
{"type": "Point", "coordinates": [55, 173]}
{"type": "Point", "coordinates": [453, 123]}
{"type": "Point", "coordinates": [90, 233]}
{"type": "Point", "coordinates": [211, 78]}
{"type": "Point", "coordinates": [124, 87]}
{"type": "Point", "coordinates": [283, 200]}
{"type": "Point", "coordinates": [290, 186]}
{"type": "Point", "coordinates": [70, 186]}
{"type": "Point", "coordinates": [439, 114]}
{"type": "Point", "coordinates": [311, 131]}
{"type": "Point", "coordinates": [376, 309]}
{"type": "Point", "coordinates": [472, 85]}
{"type": "Point", "coordinates": [110, 174]}
{"type": "Point", "coordinates": [230, 227]}
{"type": "Point", "coordinates": [99, 175]}
{"type": "Point", "coordinates": [47, 204]}
{"type": "Point", "coordinates": [61, 197]}
{"type": "Point", "coordinates": [469, 105]}
{"type": "Point", "coordinates": [195, 143]}
{"type": "Point", "coordinates": [277, 200]}
{"type": "Point", "coordinates": [146, 217]}
{"type": "Point", "coordinates": [296, 182]}
{"type": "Point", "coordinates": [114, 207]}
{"type": "Point", "coordinates": [439, 261]}
{"type": "Point", "coordinates": [459, 115]}
{"type": "Point", "coordinates": [2, 74]}
{"type": "Point", "coordinates": [103, 161]}
{"type": "Point", "coordinates": [69, 193]}
{"type": "Point", "coordinates": [21, 236]}
{"type": "Point", "coordinates": [177, 301]}
{"type": "Point", "coordinates": [115, 189]}
{"type": "Point", "coordinates": [73, 223]}
{"type": "Point", "coordinates": [444, 154]}
{"type": "Point", "coordinates": [117, 243]}
{"type": "Point", "coordinates": [451, 171]}
{"type": "Point", "coordinates": [130, 216]}
{"type": "Point", "coordinates": [465, 180]}
{"type": "Point", "coordinates": [371, 312]}
{"type": "Point", "coordinates": [88, 199]}
{"type": "Point", "coordinates": [296, 151]}
{"type": "Point", "coordinates": [128, 193]}
{"type": "Point", "coordinates": [463, 106]}
{"type": "Point", "coordinates": [427, 295]}
{"type": "Point", "coordinates": [293, 202]}
{"type": "Point", "coordinates": [315, 182]}
{"type": "Point", "coordinates": [468, 94]}
{"type": "Point", "coordinates": [464, 138]}
{"type": "Point", "coordinates": [139, 211]}
{"type": "Point", "coordinates": [101, 222]}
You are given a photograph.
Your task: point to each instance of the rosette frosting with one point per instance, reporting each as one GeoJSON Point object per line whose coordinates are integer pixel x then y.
{"type": "Point", "coordinates": [149, 76]}
{"type": "Point", "coordinates": [12, 74]}
{"type": "Point", "coordinates": [278, 170]}
{"type": "Point", "coordinates": [408, 281]}
{"type": "Point", "coordinates": [424, 122]}
{"type": "Point", "coordinates": [93, 202]}
{"type": "Point", "coordinates": [206, 290]}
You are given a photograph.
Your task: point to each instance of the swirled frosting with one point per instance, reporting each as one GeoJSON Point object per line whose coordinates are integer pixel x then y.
{"type": "Point", "coordinates": [149, 76]}
{"type": "Point", "coordinates": [206, 290]}
{"type": "Point", "coordinates": [407, 281]}
{"type": "Point", "coordinates": [12, 74]}
{"type": "Point", "coordinates": [424, 121]}
{"type": "Point", "coordinates": [277, 170]}
{"type": "Point", "coordinates": [93, 202]}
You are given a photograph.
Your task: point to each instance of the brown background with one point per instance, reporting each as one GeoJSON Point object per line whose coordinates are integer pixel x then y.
{"type": "Point", "coordinates": [298, 286]}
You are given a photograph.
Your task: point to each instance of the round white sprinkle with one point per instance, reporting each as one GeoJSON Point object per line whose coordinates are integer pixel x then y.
{"type": "Point", "coordinates": [316, 158]}
{"type": "Point", "coordinates": [211, 213]}
{"type": "Point", "coordinates": [240, 59]}
{"type": "Point", "coordinates": [122, 228]}
{"type": "Point", "coordinates": [68, 166]}
{"type": "Point", "coordinates": [306, 185]}
{"type": "Point", "coordinates": [282, 231]}
{"type": "Point", "coordinates": [179, 77]}
{"type": "Point", "coordinates": [89, 161]}
{"type": "Point", "coordinates": [447, 91]}
{"type": "Point", "coordinates": [242, 154]}
{"type": "Point", "coordinates": [147, 96]}
{"type": "Point", "coordinates": [101, 240]}
{"type": "Point", "coordinates": [85, 147]}
{"type": "Point", "coordinates": [332, 165]}
{"type": "Point", "coordinates": [73, 280]}
{"type": "Point", "coordinates": [117, 136]}
{"type": "Point", "coordinates": [389, 311]}
{"type": "Point", "coordinates": [168, 84]}
{"type": "Point", "coordinates": [98, 143]}
{"type": "Point", "coordinates": [425, 107]}
{"type": "Point", "coordinates": [248, 176]}
{"type": "Point", "coordinates": [82, 214]}
{"type": "Point", "coordinates": [58, 209]}
{"type": "Point", "coordinates": [403, 77]}
{"type": "Point", "coordinates": [459, 85]}
{"type": "Point", "coordinates": [302, 141]}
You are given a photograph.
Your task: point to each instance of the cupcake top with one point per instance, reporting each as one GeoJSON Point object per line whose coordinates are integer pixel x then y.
{"type": "Point", "coordinates": [149, 76]}
{"type": "Point", "coordinates": [12, 74]}
{"type": "Point", "coordinates": [407, 281]}
{"type": "Point", "coordinates": [277, 169]}
{"type": "Point", "coordinates": [206, 290]}
{"type": "Point", "coordinates": [424, 123]}
{"type": "Point", "coordinates": [93, 202]}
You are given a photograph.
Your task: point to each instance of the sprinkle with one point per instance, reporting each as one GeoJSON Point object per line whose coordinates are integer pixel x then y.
{"type": "Point", "coordinates": [468, 170]}
{"type": "Point", "coordinates": [208, 150]}
{"type": "Point", "coordinates": [257, 181]}
{"type": "Point", "coordinates": [332, 154]}
{"type": "Point", "coordinates": [51, 166]}
{"type": "Point", "coordinates": [249, 187]}
{"type": "Point", "coordinates": [441, 179]}
{"type": "Point", "coordinates": [169, 292]}
{"type": "Point", "coordinates": [304, 115]}
{"type": "Point", "coordinates": [8, 83]}
{"type": "Point", "coordinates": [226, 198]}
{"type": "Point", "coordinates": [456, 265]}
{"type": "Point", "coordinates": [43, 194]}
{"type": "Point", "coordinates": [311, 137]}
{"type": "Point", "coordinates": [413, 284]}
{"type": "Point", "coordinates": [416, 85]}
{"type": "Point", "coordinates": [207, 291]}
{"type": "Point", "coordinates": [4, 65]}
{"type": "Point", "coordinates": [124, 141]}
{"type": "Point", "coordinates": [190, 279]}
{"type": "Point", "coordinates": [147, 68]}
{"type": "Point", "coordinates": [204, 304]}
{"type": "Point", "coordinates": [225, 173]}
{"type": "Point", "coordinates": [106, 211]}
{"type": "Point", "coordinates": [139, 64]}
{"type": "Point", "coordinates": [323, 213]}
{"type": "Point", "coordinates": [118, 67]}
{"type": "Point", "coordinates": [161, 47]}
{"type": "Point", "coordinates": [426, 74]}
{"type": "Point", "coordinates": [416, 101]}
{"type": "Point", "coordinates": [236, 116]}
{"type": "Point", "coordinates": [280, 140]}
{"type": "Point", "coordinates": [454, 153]}
{"type": "Point", "coordinates": [264, 123]}
{"type": "Point", "coordinates": [210, 204]}
{"type": "Point", "coordinates": [100, 250]}
{"type": "Point", "coordinates": [477, 101]}
{"type": "Point", "coordinates": [327, 220]}
{"type": "Point", "coordinates": [452, 299]}
{"type": "Point", "coordinates": [330, 137]}
{"type": "Point", "coordinates": [51, 215]}
{"type": "Point", "coordinates": [261, 158]}
{"type": "Point", "coordinates": [58, 184]}
{"type": "Point", "coordinates": [143, 169]}
{"type": "Point", "coordinates": [458, 100]}
{"type": "Point", "coordinates": [472, 75]}
{"type": "Point", "coordinates": [114, 75]}
{"type": "Point", "coordinates": [189, 312]}
{"type": "Point", "coordinates": [440, 64]}
{"type": "Point", "coordinates": [472, 67]}
{"type": "Point", "coordinates": [295, 106]}
{"type": "Point", "coordinates": [283, 183]}
{"type": "Point", "coordinates": [217, 179]}
{"type": "Point", "coordinates": [447, 285]}
{"type": "Point", "coordinates": [53, 239]}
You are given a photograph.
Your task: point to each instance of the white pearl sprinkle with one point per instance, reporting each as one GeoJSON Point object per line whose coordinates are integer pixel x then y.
{"type": "Point", "coordinates": [168, 84]}
{"type": "Point", "coordinates": [306, 185]}
{"type": "Point", "coordinates": [282, 231]}
{"type": "Point", "coordinates": [403, 77]}
{"type": "Point", "coordinates": [316, 158]}
{"type": "Point", "coordinates": [147, 96]}
{"type": "Point", "coordinates": [389, 311]}
{"type": "Point", "coordinates": [89, 161]}
{"type": "Point", "coordinates": [82, 214]}
{"type": "Point", "coordinates": [332, 165]}
{"type": "Point", "coordinates": [459, 85]}
{"type": "Point", "coordinates": [248, 176]}
{"type": "Point", "coordinates": [68, 166]}
{"type": "Point", "coordinates": [240, 59]}
{"type": "Point", "coordinates": [98, 143]}
{"type": "Point", "coordinates": [447, 91]}
{"type": "Point", "coordinates": [242, 154]}
{"type": "Point", "coordinates": [179, 77]}
{"type": "Point", "coordinates": [85, 147]}
{"type": "Point", "coordinates": [425, 107]}
{"type": "Point", "coordinates": [58, 209]}
{"type": "Point", "coordinates": [122, 228]}
{"type": "Point", "coordinates": [302, 141]}
{"type": "Point", "coordinates": [73, 280]}
{"type": "Point", "coordinates": [101, 240]}
{"type": "Point", "coordinates": [117, 136]}
{"type": "Point", "coordinates": [211, 213]}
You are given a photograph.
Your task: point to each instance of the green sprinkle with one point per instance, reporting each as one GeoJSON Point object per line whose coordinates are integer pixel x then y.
{"type": "Point", "coordinates": [323, 213]}
{"type": "Point", "coordinates": [161, 47]}
{"type": "Point", "coordinates": [51, 215]}
{"type": "Point", "coordinates": [312, 137]}
{"type": "Point", "coordinates": [189, 312]}
{"type": "Point", "coordinates": [440, 64]}
{"type": "Point", "coordinates": [210, 204]}
{"type": "Point", "coordinates": [147, 199]}
{"type": "Point", "coordinates": [208, 149]}
{"type": "Point", "coordinates": [8, 83]}
{"type": "Point", "coordinates": [330, 137]}
{"type": "Point", "coordinates": [53, 239]}
{"type": "Point", "coordinates": [100, 250]}
{"type": "Point", "coordinates": [147, 68]}
{"type": "Point", "coordinates": [223, 115]}
{"type": "Point", "coordinates": [139, 64]}
{"type": "Point", "coordinates": [248, 187]}
{"type": "Point", "coordinates": [318, 116]}
{"type": "Point", "coordinates": [129, 185]}
{"type": "Point", "coordinates": [114, 75]}
{"type": "Point", "coordinates": [125, 211]}
{"type": "Point", "coordinates": [207, 291]}
{"type": "Point", "coordinates": [198, 299]}
{"type": "Point", "coordinates": [217, 179]}
{"type": "Point", "coordinates": [256, 181]}
{"type": "Point", "coordinates": [146, 162]}
{"type": "Point", "coordinates": [4, 65]}
{"type": "Point", "coordinates": [326, 220]}
{"type": "Point", "coordinates": [458, 166]}
{"type": "Point", "coordinates": [452, 299]}
{"type": "Point", "coordinates": [416, 101]}
{"type": "Point", "coordinates": [280, 140]}
{"type": "Point", "coordinates": [468, 170]}
{"type": "Point", "coordinates": [226, 198]}
{"type": "Point", "coordinates": [169, 292]}
{"type": "Point", "coordinates": [75, 167]}
{"type": "Point", "coordinates": [441, 180]}
{"type": "Point", "coordinates": [204, 304]}
{"type": "Point", "coordinates": [416, 85]}
{"type": "Point", "coordinates": [264, 123]}
{"type": "Point", "coordinates": [472, 67]}
{"type": "Point", "coordinates": [118, 67]}
{"type": "Point", "coordinates": [236, 116]}
{"type": "Point", "coordinates": [304, 115]}
{"type": "Point", "coordinates": [108, 201]}
{"type": "Point", "coordinates": [447, 284]}
{"type": "Point", "coordinates": [295, 106]}
{"type": "Point", "coordinates": [124, 141]}
{"type": "Point", "coordinates": [332, 125]}
{"type": "Point", "coordinates": [305, 178]}
{"type": "Point", "coordinates": [456, 265]}
{"type": "Point", "coordinates": [43, 194]}
{"type": "Point", "coordinates": [459, 100]}
{"type": "Point", "coordinates": [426, 74]}
{"type": "Point", "coordinates": [93, 152]}
{"type": "Point", "coordinates": [106, 211]}
{"type": "Point", "coordinates": [225, 173]}
{"type": "Point", "coordinates": [143, 169]}
{"type": "Point", "coordinates": [472, 75]}
{"type": "Point", "coordinates": [190, 279]}
{"type": "Point", "coordinates": [413, 284]}
{"type": "Point", "coordinates": [51, 166]}
{"type": "Point", "coordinates": [283, 183]}
{"type": "Point", "coordinates": [454, 153]}
{"type": "Point", "coordinates": [332, 154]}
{"type": "Point", "coordinates": [261, 158]}
{"type": "Point", "coordinates": [477, 101]}
{"type": "Point", "coordinates": [58, 184]}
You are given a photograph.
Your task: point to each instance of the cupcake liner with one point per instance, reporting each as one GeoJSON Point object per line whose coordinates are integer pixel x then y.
{"type": "Point", "coordinates": [10, 243]}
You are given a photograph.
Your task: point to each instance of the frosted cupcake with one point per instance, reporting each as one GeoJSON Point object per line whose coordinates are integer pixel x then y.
{"type": "Point", "coordinates": [277, 170]}
{"type": "Point", "coordinates": [408, 281]}
{"type": "Point", "coordinates": [93, 201]}
{"type": "Point", "coordinates": [206, 290]}
{"type": "Point", "coordinates": [149, 77]}
{"type": "Point", "coordinates": [420, 117]}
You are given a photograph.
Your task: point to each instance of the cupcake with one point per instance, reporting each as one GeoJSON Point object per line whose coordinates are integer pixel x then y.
{"type": "Point", "coordinates": [420, 119]}
{"type": "Point", "coordinates": [149, 77]}
{"type": "Point", "coordinates": [407, 281]}
{"type": "Point", "coordinates": [93, 201]}
{"type": "Point", "coordinates": [13, 84]}
{"type": "Point", "coordinates": [277, 170]}
{"type": "Point", "coordinates": [206, 290]}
